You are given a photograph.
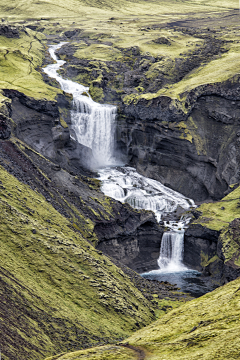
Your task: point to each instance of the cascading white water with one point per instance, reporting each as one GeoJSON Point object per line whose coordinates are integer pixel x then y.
{"type": "Point", "coordinates": [171, 252]}
{"type": "Point", "coordinates": [94, 126]}
{"type": "Point", "coordinates": [126, 185]}
{"type": "Point", "coordinates": [93, 123]}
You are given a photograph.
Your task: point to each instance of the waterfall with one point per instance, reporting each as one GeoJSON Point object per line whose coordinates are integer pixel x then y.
{"type": "Point", "coordinates": [93, 123]}
{"type": "Point", "coordinates": [171, 251]}
{"type": "Point", "coordinates": [94, 126]}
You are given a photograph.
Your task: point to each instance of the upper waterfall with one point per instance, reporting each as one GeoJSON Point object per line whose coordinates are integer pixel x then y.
{"type": "Point", "coordinates": [93, 123]}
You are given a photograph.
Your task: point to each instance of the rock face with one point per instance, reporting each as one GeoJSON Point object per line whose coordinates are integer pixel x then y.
{"type": "Point", "coordinates": [200, 244]}
{"type": "Point", "coordinates": [196, 151]}
{"type": "Point", "coordinates": [214, 253]}
{"type": "Point", "coordinates": [5, 130]}
{"type": "Point", "coordinates": [37, 122]}
{"type": "Point", "coordinates": [137, 245]}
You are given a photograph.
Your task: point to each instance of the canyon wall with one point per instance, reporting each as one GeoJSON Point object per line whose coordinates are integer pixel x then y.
{"type": "Point", "coordinates": [191, 146]}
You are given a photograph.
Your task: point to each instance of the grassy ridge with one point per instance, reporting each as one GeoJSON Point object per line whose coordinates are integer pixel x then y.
{"type": "Point", "coordinates": [219, 214]}
{"type": "Point", "coordinates": [224, 216]}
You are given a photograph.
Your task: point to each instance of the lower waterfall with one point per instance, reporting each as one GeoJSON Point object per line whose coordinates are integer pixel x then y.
{"type": "Point", "coordinates": [171, 251]}
{"type": "Point", "coordinates": [94, 127]}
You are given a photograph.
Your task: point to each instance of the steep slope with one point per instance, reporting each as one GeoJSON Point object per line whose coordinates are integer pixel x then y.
{"type": "Point", "coordinates": [205, 328]}
{"type": "Point", "coordinates": [57, 291]}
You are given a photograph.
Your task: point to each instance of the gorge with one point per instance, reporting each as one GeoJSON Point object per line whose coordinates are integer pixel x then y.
{"type": "Point", "coordinates": [86, 208]}
{"type": "Point", "coordinates": [93, 125]}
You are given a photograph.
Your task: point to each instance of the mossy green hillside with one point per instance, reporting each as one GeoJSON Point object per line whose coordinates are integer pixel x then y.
{"type": "Point", "coordinates": [219, 214]}
{"type": "Point", "coordinates": [68, 293]}
{"type": "Point", "coordinates": [204, 328]}
{"type": "Point", "coordinates": [19, 59]}
{"type": "Point", "coordinates": [223, 216]}
{"type": "Point", "coordinates": [107, 352]}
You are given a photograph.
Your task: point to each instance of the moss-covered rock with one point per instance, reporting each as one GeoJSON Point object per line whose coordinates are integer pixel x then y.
{"type": "Point", "coordinates": [19, 58]}
{"type": "Point", "coordinates": [212, 240]}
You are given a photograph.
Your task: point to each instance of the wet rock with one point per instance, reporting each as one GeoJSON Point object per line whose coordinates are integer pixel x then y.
{"type": "Point", "coordinates": [137, 245]}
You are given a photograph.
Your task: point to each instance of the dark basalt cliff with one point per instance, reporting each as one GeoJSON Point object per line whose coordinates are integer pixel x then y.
{"type": "Point", "coordinates": [203, 251]}
{"type": "Point", "coordinates": [138, 246]}
{"type": "Point", "coordinates": [194, 151]}
{"type": "Point", "coordinates": [199, 240]}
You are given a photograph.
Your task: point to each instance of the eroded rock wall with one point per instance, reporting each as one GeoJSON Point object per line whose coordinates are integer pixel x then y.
{"type": "Point", "coordinates": [195, 152]}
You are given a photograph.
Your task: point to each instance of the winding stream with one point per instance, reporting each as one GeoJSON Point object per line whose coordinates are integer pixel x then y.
{"type": "Point", "coordinates": [94, 127]}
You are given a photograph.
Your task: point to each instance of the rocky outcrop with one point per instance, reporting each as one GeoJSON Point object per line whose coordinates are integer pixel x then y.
{"type": "Point", "coordinates": [193, 150]}
{"type": "Point", "coordinates": [9, 31]}
{"type": "Point", "coordinates": [136, 244]}
{"type": "Point", "coordinates": [47, 107]}
{"type": "Point", "coordinates": [200, 245]}
{"type": "Point", "coordinates": [214, 253]}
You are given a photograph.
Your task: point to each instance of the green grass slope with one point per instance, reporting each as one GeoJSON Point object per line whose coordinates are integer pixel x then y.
{"type": "Point", "coordinates": [19, 60]}
{"type": "Point", "coordinates": [224, 216]}
{"type": "Point", "coordinates": [205, 328]}
{"type": "Point", "coordinates": [57, 292]}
